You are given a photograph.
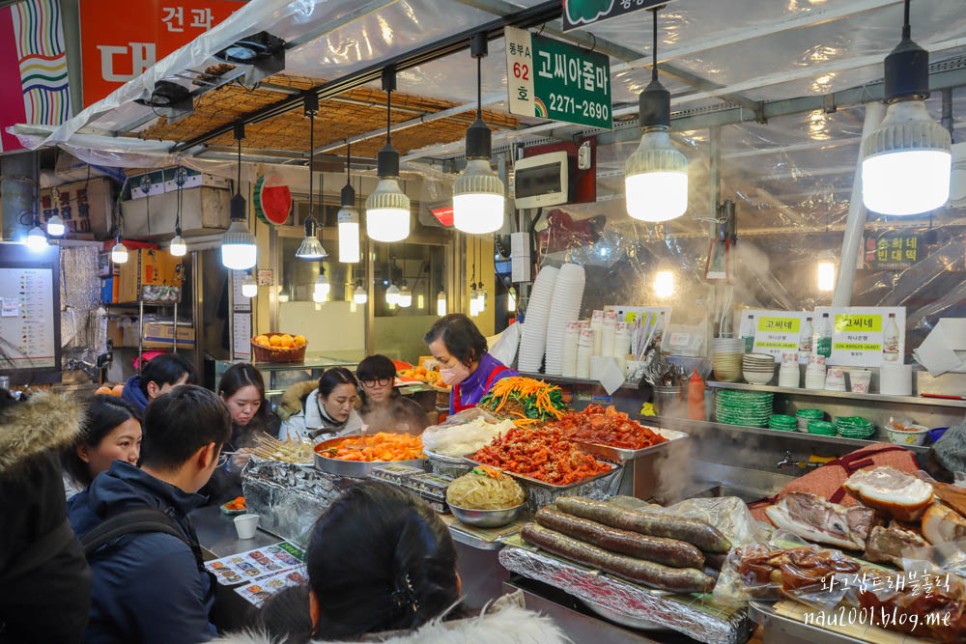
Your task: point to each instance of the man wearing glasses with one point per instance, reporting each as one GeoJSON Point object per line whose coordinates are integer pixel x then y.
{"type": "Point", "coordinates": [383, 408]}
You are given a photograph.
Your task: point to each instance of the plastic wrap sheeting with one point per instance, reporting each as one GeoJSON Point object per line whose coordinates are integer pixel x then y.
{"type": "Point", "coordinates": [540, 495]}
{"type": "Point", "coordinates": [686, 614]}
{"type": "Point", "coordinates": [289, 498]}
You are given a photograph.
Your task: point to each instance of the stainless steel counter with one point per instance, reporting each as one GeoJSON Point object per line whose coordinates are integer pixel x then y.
{"type": "Point", "coordinates": [217, 536]}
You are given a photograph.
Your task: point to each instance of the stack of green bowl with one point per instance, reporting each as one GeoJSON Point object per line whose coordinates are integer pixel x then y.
{"type": "Point", "coordinates": [783, 423]}
{"type": "Point", "coordinates": [855, 427]}
{"type": "Point", "coordinates": [821, 427]}
{"type": "Point", "coordinates": [749, 408]}
{"type": "Point", "coordinates": [805, 415]}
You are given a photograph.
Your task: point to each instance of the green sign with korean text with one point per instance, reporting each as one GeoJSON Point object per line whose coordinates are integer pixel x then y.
{"type": "Point", "coordinates": [892, 250]}
{"type": "Point", "coordinates": [580, 13]}
{"type": "Point", "coordinates": [554, 80]}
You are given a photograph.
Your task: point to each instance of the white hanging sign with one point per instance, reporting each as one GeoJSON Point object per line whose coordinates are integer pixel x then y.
{"type": "Point", "coordinates": [866, 336]}
{"type": "Point", "coordinates": [777, 332]}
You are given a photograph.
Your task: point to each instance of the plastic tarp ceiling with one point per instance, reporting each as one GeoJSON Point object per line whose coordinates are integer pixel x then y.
{"type": "Point", "coordinates": [791, 178]}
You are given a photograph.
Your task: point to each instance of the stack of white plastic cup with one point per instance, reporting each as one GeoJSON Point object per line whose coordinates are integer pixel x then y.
{"type": "Point", "coordinates": [585, 348]}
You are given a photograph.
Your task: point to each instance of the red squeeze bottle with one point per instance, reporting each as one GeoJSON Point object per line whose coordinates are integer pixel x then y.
{"type": "Point", "coordinates": [696, 397]}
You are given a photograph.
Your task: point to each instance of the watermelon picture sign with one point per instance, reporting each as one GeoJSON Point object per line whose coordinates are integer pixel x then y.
{"type": "Point", "coordinates": [273, 199]}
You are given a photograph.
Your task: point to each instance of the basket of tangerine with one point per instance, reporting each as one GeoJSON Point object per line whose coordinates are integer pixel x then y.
{"type": "Point", "coordinates": [278, 347]}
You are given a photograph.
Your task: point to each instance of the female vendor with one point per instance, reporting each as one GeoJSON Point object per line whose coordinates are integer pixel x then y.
{"type": "Point", "coordinates": [461, 351]}
{"type": "Point", "coordinates": [328, 411]}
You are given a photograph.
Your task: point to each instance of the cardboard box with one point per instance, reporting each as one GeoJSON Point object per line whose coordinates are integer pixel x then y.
{"type": "Point", "coordinates": [160, 335]}
{"type": "Point", "coordinates": [115, 332]}
{"type": "Point", "coordinates": [148, 268]}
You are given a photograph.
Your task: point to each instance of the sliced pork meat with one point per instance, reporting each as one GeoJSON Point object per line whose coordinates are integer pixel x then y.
{"type": "Point", "coordinates": [815, 519]}
{"type": "Point", "coordinates": [887, 544]}
{"type": "Point", "coordinates": [894, 493]}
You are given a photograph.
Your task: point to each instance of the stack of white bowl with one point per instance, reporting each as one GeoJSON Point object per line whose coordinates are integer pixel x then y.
{"type": "Point", "coordinates": [815, 376]}
{"type": "Point", "coordinates": [568, 293]}
{"type": "Point", "coordinates": [758, 368]}
{"type": "Point", "coordinates": [533, 342]}
{"type": "Point", "coordinates": [726, 358]}
{"type": "Point", "coordinates": [789, 375]}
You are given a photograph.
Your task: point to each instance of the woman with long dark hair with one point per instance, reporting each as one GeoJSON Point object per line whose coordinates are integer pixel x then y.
{"type": "Point", "coordinates": [328, 410]}
{"type": "Point", "coordinates": [111, 431]}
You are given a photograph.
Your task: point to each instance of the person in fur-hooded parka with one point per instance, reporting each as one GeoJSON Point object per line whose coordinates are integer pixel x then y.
{"type": "Point", "coordinates": [45, 582]}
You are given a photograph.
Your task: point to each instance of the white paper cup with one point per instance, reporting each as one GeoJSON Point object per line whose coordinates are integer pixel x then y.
{"type": "Point", "coordinates": [895, 380]}
{"type": "Point", "coordinates": [246, 525]}
{"type": "Point", "coordinates": [860, 381]}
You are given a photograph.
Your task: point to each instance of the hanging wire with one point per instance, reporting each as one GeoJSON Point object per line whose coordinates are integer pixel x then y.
{"type": "Point", "coordinates": [654, 46]}
{"type": "Point", "coordinates": [311, 161]}
{"type": "Point", "coordinates": [479, 88]}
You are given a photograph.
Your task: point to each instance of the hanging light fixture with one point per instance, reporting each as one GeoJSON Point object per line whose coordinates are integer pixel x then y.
{"type": "Point", "coordinates": [441, 303]}
{"type": "Point", "coordinates": [55, 226]}
{"type": "Point", "coordinates": [907, 160]}
{"type": "Point", "coordinates": [480, 298]}
{"type": "Point", "coordinates": [311, 248]}
{"type": "Point", "coordinates": [238, 249]}
{"type": "Point", "coordinates": [283, 295]}
{"type": "Point", "coordinates": [392, 293]}
{"type": "Point", "coordinates": [511, 299]}
{"type": "Point", "coordinates": [826, 276]}
{"type": "Point", "coordinates": [119, 251]}
{"type": "Point", "coordinates": [36, 239]}
{"type": "Point", "coordinates": [405, 296]}
{"type": "Point", "coordinates": [656, 174]}
{"type": "Point", "coordinates": [664, 284]}
{"type": "Point", "coordinates": [387, 208]}
{"type": "Point", "coordinates": [348, 217]}
{"type": "Point", "coordinates": [359, 296]}
{"type": "Point", "coordinates": [178, 248]}
{"type": "Point", "coordinates": [249, 286]}
{"type": "Point", "coordinates": [322, 286]}
{"type": "Point", "coordinates": [473, 300]}
{"type": "Point", "coordinates": [479, 200]}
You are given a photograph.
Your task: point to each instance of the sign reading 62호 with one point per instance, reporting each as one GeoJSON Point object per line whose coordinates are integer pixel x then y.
{"type": "Point", "coordinates": [555, 80]}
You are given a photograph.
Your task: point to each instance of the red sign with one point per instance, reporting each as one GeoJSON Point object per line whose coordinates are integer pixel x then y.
{"type": "Point", "coordinates": [444, 215]}
{"type": "Point", "coordinates": [122, 38]}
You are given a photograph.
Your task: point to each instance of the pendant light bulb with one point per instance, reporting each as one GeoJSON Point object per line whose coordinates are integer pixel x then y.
{"type": "Point", "coordinates": [826, 276]}
{"type": "Point", "coordinates": [479, 196]}
{"type": "Point", "coordinates": [441, 303]}
{"type": "Point", "coordinates": [56, 227]}
{"type": "Point", "coordinates": [511, 300]}
{"type": "Point", "coordinates": [392, 295]}
{"type": "Point", "coordinates": [178, 248]}
{"type": "Point", "coordinates": [238, 249]}
{"type": "Point", "coordinates": [119, 253]}
{"type": "Point", "coordinates": [664, 284]}
{"type": "Point", "coordinates": [359, 296]}
{"type": "Point", "coordinates": [656, 174]}
{"type": "Point", "coordinates": [36, 239]}
{"type": "Point", "coordinates": [348, 218]}
{"type": "Point", "coordinates": [311, 247]}
{"type": "Point", "coordinates": [907, 160]}
{"type": "Point", "coordinates": [249, 286]}
{"type": "Point", "coordinates": [405, 297]}
{"type": "Point", "coordinates": [388, 208]}
{"type": "Point", "coordinates": [322, 288]}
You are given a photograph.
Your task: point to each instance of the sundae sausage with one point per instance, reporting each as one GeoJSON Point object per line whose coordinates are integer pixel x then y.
{"type": "Point", "coordinates": [678, 580]}
{"type": "Point", "coordinates": [669, 552]}
{"type": "Point", "coordinates": [654, 524]}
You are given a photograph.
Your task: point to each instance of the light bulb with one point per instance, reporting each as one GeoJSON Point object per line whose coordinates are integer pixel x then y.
{"type": "Point", "coordinates": [441, 304]}
{"type": "Point", "coordinates": [387, 212]}
{"type": "Point", "coordinates": [656, 179]}
{"type": "Point", "coordinates": [238, 249]}
{"type": "Point", "coordinates": [178, 248]}
{"type": "Point", "coordinates": [392, 295]}
{"type": "Point", "coordinates": [511, 300]}
{"type": "Point", "coordinates": [480, 300]}
{"type": "Point", "coordinates": [56, 227]}
{"type": "Point", "coordinates": [311, 247]}
{"type": "Point", "coordinates": [249, 287]}
{"type": "Point", "coordinates": [908, 164]}
{"type": "Point", "coordinates": [478, 199]}
{"type": "Point", "coordinates": [826, 277]}
{"type": "Point", "coordinates": [283, 296]}
{"type": "Point", "coordinates": [405, 297]}
{"type": "Point", "coordinates": [348, 235]}
{"type": "Point", "coordinates": [420, 301]}
{"type": "Point", "coordinates": [119, 253]}
{"type": "Point", "coordinates": [664, 284]}
{"type": "Point", "coordinates": [322, 288]}
{"type": "Point", "coordinates": [359, 296]}
{"type": "Point", "coordinates": [319, 298]}
{"type": "Point", "coordinates": [36, 239]}
{"type": "Point", "coordinates": [473, 301]}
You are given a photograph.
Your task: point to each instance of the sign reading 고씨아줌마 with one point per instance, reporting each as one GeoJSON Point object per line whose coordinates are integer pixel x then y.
{"type": "Point", "coordinates": [555, 80]}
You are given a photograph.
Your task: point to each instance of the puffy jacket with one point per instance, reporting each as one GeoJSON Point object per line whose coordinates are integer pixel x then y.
{"type": "Point", "coordinates": [133, 394]}
{"type": "Point", "coordinates": [147, 586]}
{"type": "Point", "coordinates": [45, 582]}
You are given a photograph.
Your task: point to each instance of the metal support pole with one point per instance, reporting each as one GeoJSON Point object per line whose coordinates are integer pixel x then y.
{"type": "Point", "coordinates": [854, 225]}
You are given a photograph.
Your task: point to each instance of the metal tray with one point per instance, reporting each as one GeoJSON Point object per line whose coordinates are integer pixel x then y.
{"type": "Point", "coordinates": [454, 466]}
{"type": "Point", "coordinates": [355, 469]}
{"type": "Point", "coordinates": [623, 455]}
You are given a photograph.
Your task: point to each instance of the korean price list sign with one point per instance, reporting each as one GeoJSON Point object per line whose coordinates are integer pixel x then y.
{"type": "Point", "coordinates": [865, 336]}
{"type": "Point", "coordinates": [555, 80]}
{"type": "Point", "coordinates": [777, 332]}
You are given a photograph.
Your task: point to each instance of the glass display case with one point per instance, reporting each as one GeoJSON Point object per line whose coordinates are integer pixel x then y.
{"type": "Point", "coordinates": [279, 376]}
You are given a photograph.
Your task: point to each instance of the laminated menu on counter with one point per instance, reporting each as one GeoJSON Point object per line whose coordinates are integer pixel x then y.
{"type": "Point", "coordinates": [257, 564]}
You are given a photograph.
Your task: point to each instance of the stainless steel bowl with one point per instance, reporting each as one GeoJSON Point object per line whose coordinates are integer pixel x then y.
{"type": "Point", "coordinates": [487, 518]}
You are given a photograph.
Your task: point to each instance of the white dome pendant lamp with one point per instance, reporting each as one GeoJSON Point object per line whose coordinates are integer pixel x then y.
{"type": "Point", "coordinates": [479, 197]}
{"type": "Point", "coordinates": [387, 208]}
{"type": "Point", "coordinates": [238, 249]}
{"type": "Point", "coordinates": [311, 248]}
{"type": "Point", "coordinates": [656, 174]}
{"type": "Point", "coordinates": [348, 219]}
{"type": "Point", "coordinates": [907, 160]}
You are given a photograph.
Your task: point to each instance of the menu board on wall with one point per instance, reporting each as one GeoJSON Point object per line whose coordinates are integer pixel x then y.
{"type": "Point", "coordinates": [26, 318]}
{"type": "Point", "coordinates": [866, 336]}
